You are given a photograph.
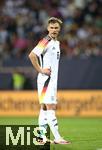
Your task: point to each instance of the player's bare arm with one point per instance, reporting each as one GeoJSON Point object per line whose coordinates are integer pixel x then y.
{"type": "Point", "coordinates": [34, 61]}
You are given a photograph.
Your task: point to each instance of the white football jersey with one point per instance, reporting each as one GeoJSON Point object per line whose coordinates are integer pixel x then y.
{"type": "Point", "coordinates": [48, 51]}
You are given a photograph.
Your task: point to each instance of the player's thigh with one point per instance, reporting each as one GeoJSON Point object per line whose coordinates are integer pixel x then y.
{"type": "Point", "coordinates": [51, 106]}
{"type": "Point", "coordinates": [50, 96]}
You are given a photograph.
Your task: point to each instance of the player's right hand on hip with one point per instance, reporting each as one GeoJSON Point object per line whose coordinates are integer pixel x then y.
{"type": "Point", "coordinates": [46, 71]}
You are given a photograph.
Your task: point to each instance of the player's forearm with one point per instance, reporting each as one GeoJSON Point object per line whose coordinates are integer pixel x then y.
{"type": "Point", "coordinates": [34, 61]}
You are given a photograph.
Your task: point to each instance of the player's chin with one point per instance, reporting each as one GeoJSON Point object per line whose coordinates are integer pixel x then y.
{"type": "Point", "coordinates": [54, 35]}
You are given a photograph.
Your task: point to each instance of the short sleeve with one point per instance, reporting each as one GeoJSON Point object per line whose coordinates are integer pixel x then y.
{"type": "Point", "coordinates": [41, 46]}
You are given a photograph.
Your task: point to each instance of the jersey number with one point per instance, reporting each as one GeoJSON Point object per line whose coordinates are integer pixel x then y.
{"type": "Point", "coordinates": [58, 55]}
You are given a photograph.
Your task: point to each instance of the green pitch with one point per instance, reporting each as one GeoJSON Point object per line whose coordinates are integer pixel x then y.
{"type": "Point", "coordinates": [84, 133]}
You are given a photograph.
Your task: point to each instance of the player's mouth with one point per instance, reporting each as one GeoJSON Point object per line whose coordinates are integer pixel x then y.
{"type": "Point", "coordinates": [54, 33]}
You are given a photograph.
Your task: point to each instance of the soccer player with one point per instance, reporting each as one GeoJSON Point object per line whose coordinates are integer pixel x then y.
{"type": "Point", "coordinates": [48, 52]}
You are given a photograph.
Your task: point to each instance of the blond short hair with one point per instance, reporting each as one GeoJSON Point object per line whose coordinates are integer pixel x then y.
{"type": "Point", "coordinates": [55, 20]}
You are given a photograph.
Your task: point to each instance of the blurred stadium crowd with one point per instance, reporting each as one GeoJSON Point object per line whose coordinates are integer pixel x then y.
{"type": "Point", "coordinates": [23, 23]}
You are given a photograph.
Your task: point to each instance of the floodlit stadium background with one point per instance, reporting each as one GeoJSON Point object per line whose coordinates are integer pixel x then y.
{"type": "Point", "coordinates": [22, 24]}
